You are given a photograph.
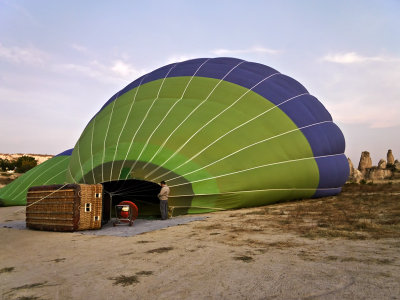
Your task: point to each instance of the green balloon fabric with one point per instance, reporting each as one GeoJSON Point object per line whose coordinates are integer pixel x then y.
{"type": "Point", "coordinates": [222, 132]}
{"type": "Point", "coordinates": [52, 171]}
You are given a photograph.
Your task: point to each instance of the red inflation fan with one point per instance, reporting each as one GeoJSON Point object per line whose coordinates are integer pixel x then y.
{"type": "Point", "coordinates": [126, 212]}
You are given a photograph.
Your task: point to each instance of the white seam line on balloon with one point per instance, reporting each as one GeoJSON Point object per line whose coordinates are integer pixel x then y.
{"type": "Point", "coordinates": [44, 172]}
{"type": "Point", "coordinates": [145, 117]}
{"type": "Point", "coordinates": [34, 171]}
{"type": "Point", "coordinates": [165, 141]}
{"type": "Point", "coordinates": [63, 171]}
{"type": "Point", "coordinates": [80, 163]}
{"type": "Point", "coordinates": [70, 173]}
{"type": "Point", "coordinates": [158, 167]}
{"type": "Point", "coordinates": [248, 146]}
{"type": "Point", "coordinates": [105, 138]}
{"type": "Point", "coordinates": [147, 113]}
{"type": "Point", "coordinates": [91, 149]}
{"type": "Point", "coordinates": [254, 191]}
{"type": "Point", "coordinates": [130, 145]}
{"type": "Point", "coordinates": [187, 117]}
{"type": "Point", "coordinates": [201, 128]}
{"type": "Point", "coordinates": [176, 102]}
{"type": "Point", "coordinates": [239, 126]}
{"type": "Point", "coordinates": [257, 167]}
{"type": "Point", "coordinates": [23, 180]}
{"type": "Point", "coordinates": [123, 127]}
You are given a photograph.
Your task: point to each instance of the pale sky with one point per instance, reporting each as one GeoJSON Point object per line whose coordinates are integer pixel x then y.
{"type": "Point", "coordinates": [60, 61]}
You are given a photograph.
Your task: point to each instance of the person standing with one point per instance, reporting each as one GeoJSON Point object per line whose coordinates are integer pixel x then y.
{"type": "Point", "coordinates": [163, 196]}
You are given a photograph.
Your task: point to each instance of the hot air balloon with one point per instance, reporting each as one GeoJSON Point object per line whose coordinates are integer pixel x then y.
{"type": "Point", "coordinates": [222, 132]}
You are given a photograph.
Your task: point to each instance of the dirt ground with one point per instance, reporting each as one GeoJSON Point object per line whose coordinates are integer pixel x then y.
{"type": "Point", "coordinates": [344, 247]}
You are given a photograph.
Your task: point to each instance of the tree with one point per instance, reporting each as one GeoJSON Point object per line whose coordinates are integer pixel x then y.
{"type": "Point", "coordinates": [25, 163]}
{"type": "Point", "coordinates": [5, 164]}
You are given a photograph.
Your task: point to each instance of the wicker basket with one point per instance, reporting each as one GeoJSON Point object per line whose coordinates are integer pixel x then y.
{"type": "Point", "coordinates": [64, 208]}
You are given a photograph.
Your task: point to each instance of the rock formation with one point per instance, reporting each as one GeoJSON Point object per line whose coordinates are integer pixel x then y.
{"type": "Point", "coordinates": [397, 166]}
{"type": "Point", "coordinates": [365, 162]}
{"type": "Point", "coordinates": [390, 157]}
{"type": "Point", "coordinates": [382, 164]}
{"type": "Point", "coordinates": [375, 174]}
{"type": "Point", "coordinates": [355, 175]}
{"type": "Point", "coordinates": [386, 170]}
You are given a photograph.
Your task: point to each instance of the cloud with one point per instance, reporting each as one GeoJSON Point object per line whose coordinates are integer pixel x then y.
{"type": "Point", "coordinates": [29, 55]}
{"type": "Point", "coordinates": [113, 72]}
{"type": "Point", "coordinates": [360, 93]}
{"type": "Point", "coordinates": [180, 57]}
{"type": "Point", "coordinates": [361, 111]}
{"type": "Point", "coordinates": [125, 70]}
{"type": "Point", "coordinates": [80, 48]}
{"type": "Point", "coordinates": [222, 52]}
{"type": "Point", "coordinates": [252, 50]}
{"type": "Point", "coordinates": [354, 58]}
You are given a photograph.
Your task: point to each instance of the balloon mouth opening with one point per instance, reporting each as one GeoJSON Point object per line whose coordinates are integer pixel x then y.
{"type": "Point", "coordinates": [141, 192]}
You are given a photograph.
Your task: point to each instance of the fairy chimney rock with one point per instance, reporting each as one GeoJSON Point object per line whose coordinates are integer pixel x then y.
{"type": "Point", "coordinates": [351, 166]}
{"type": "Point", "coordinates": [382, 164]}
{"type": "Point", "coordinates": [390, 157]}
{"type": "Point", "coordinates": [365, 161]}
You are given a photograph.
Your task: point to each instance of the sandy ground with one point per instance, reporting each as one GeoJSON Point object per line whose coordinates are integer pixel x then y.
{"type": "Point", "coordinates": [224, 256]}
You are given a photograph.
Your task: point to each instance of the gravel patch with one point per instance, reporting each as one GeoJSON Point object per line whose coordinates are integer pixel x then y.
{"type": "Point", "coordinates": [139, 226]}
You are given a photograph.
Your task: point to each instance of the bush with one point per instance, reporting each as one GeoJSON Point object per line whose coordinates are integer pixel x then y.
{"type": "Point", "coordinates": [25, 163]}
{"type": "Point", "coordinates": [5, 164]}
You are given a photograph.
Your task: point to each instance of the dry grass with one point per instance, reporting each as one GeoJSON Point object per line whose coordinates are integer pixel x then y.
{"type": "Point", "coordinates": [160, 250]}
{"type": "Point", "coordinates": [244, 258]}
{"type": "Point", "coordinates": [30, 286]}
{"type": "Point", "coordinates": [125, 280]}
{"type": "Point", "coordinates": [129, 280]}
{"type": "Point", "coordinates": [359, 212]}
{"type": "Point", "coordinates": [7, 270]}
{"type": "Point", "coordinates": [144, 273]}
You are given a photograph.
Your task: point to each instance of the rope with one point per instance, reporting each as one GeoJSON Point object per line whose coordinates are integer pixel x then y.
{"type": "Point", "coordinates": [41, 198]}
